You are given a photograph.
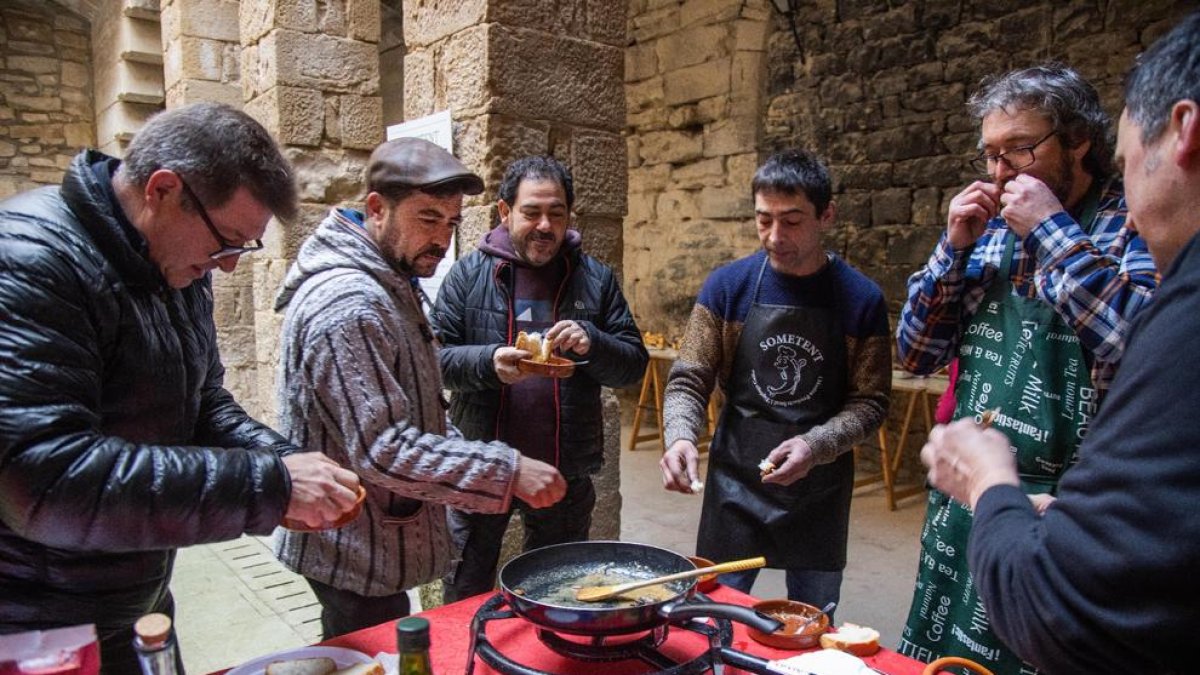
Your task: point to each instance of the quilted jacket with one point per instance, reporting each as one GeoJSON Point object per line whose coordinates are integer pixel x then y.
{"type": "Point", "coordinates": [118, 442]}
{"type": "Point", "coordinates": [473, 317]}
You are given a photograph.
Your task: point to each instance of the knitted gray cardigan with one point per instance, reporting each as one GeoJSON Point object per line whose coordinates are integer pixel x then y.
{"type": "Point", "coordinates": [358, 380]}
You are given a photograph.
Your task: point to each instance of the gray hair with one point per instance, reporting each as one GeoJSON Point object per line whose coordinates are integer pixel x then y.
{"type": "Point", "coordinates": [1166, 73]}
{"type": "Point", "coordinates": [1063, 97]}
{"type": "Point", "coordinates": [217, 149]}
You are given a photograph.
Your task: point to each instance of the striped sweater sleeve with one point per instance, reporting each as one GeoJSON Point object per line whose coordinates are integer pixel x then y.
{"type": "Point", "coordinates": [382, 411]}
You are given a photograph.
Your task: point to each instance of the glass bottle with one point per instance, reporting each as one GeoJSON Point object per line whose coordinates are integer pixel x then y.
{"type": "Point", "coordinates": [154, 642]}
{"type": "Point", "coordinates": [412, 644]}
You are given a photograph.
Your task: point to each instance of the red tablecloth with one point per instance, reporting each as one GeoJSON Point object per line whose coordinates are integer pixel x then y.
{"type": "Point", "coordinates": [450, 638]}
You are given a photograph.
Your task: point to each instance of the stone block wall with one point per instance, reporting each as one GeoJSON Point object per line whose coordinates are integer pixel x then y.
{"type": "Point", "coordinates": [45, 93]}
{"type": "Point", "coordinates": [309, 71]}
{"type": "Point", "coordinates": [520, 81]}
{"type": "Point", "coordinates": [694, 75]}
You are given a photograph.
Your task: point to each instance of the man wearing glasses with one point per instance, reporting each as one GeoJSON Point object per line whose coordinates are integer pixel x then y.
{"type": "Point", "coordinates": [1032, 287]}
{"type": "Point", "coordinates": [118, 440]}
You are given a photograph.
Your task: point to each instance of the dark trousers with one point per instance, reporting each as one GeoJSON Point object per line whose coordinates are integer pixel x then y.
{"type": "Point", "coordinates": [479, 536]}
{"type": "Point", "coordinates": [345, 612]}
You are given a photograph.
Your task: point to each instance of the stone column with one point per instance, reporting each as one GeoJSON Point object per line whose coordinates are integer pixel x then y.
{"type": "Point", "coordinates": [310, 74]}
{"type": "Point", "coordinates": [520, 80]}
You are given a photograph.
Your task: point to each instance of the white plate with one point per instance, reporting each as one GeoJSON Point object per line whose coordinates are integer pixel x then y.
{"type": "Point", "coordinates": [343, 657]}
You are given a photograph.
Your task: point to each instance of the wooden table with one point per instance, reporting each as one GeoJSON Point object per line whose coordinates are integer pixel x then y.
{"type": "Point", "coordinates": [910, 389]}
{"type": "Point", "coordinates": [650, 403]}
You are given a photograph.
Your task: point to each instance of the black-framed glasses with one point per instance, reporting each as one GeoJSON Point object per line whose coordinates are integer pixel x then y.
{"type": "Point", "coordinates": [1016, 159]}
{"type": "Point", "coordinates": [227, 249]}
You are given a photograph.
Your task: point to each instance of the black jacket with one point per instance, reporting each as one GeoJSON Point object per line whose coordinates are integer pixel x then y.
{"type": "Point", "coordinates": [1106, 581]}
{"type": "Point", "coordinates": [118, 442]}
{"type": "Point", "coordinates": [474, 317]}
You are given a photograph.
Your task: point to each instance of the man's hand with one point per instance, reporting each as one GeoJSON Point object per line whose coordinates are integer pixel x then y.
{"type": "Point", "coordinates": [505, 359]}
{"type": "Point", "coordinates": [569, 336]}
{"type": "Point", "coordinates": [970, 210]}
{"type": "Point", "coordinates": [322, 491]}
{"type": "Point", "coordinates": [678, 466]}
{"type": "Point", "coordinates": [793, 460]}
{"type": "Point", "coordinates": [539, 484]}
{"type": "Point", "coordinates": [1041, 502]}
{"type": "Point", "coordinates": [964, 460]}
{"type": "Point", "coordinates": [1027, 201]}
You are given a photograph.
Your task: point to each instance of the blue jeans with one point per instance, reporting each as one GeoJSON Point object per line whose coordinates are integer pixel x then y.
{"type": "Point", "coordinates": [815, 587]}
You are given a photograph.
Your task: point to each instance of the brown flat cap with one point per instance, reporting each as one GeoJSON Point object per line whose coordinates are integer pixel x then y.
{"type": "Point", "coordinates": [417, 163]}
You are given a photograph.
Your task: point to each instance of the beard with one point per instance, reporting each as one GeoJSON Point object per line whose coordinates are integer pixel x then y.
{"type": "Point", "coordinates": [521, 247]}
{"type": "Point", "coordinates": [392, 244]}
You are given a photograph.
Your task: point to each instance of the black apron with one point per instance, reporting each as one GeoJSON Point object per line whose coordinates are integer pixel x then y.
{"type": "Point", "coordinates": [789, 375]}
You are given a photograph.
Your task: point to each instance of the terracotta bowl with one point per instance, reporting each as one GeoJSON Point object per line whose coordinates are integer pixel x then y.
{"type": "Point", "coordinates": [792, 614]}
{"type": "Point", "coordinates": [555, 366]}
{"type": "Point", "coordinates": [708, 582]}
{"type": "Point", "coordinates": [350, 515]}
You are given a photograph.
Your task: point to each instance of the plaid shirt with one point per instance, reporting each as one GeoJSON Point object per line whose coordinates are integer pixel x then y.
{"type": "Point", "coordinates": [1096, 282]}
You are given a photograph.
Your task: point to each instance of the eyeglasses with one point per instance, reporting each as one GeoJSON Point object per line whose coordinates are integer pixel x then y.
{"type": "Point", "coordinates": [1016, 159]}
{"type": "Point", "coordinates": [227, 249]}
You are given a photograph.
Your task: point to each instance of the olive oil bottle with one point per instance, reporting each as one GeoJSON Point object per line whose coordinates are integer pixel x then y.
{"type": "Point", "coordinates": [412, 644]}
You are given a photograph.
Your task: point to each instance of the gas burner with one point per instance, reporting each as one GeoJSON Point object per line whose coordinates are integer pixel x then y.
{"type": "Point", "coordinates": [645, 648]}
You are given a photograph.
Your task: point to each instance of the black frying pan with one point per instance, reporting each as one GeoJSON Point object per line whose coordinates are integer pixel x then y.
{"type": "Point", "coordinates": [538, 585]}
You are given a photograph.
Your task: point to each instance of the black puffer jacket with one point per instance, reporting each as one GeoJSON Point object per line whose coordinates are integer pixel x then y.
{"type": "Point", "coordinates": [474, 317]}
{"type": "Point", "coordinates": [118, 442]}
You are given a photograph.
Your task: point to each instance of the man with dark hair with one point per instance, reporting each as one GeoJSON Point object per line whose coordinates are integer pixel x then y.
{"type": "Point", "coordinates": [1032, 286]}
{"type": "Point", "coordinates": [1105, 581]}
{"type": "Point", "coordinates": [798, 341]}
{"type": "Point", "coordinates": [118, 440]}
{"type": "Point", "coordinates": [530, 274]}
{"type": "Point", "coordinates": [359, 382]}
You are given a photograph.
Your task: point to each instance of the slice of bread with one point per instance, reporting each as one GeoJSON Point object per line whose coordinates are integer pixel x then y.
{"type": "Point", "coordinates": [321, 665]}
{"type": "Point", "coordinates": [533, 343]}
{"type": "Point", "coordinates": [852, 638]}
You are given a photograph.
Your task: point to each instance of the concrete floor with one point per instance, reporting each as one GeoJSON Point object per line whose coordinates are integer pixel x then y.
{"type": "Point", "coordinates": [235, 602]}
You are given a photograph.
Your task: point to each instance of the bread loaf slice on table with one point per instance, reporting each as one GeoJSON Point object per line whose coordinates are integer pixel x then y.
{"type": "Point", "coordinates": [321, 665]}
{"type": "Point", "coordinates": [852, 638]}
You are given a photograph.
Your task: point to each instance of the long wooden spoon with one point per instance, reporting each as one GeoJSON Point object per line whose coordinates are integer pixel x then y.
{"type": "Point", "coordinates": [597, 593]}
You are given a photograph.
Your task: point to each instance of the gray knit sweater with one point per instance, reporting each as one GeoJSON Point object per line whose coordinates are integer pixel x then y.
{"type": "Point", "coordinates": [358, 380]}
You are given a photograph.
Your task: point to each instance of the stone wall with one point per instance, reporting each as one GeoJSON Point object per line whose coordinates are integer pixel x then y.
{"type": "Point", "coordinates": [45, 93]}
{"type": "Point", "coordinates": [310, 74]}
{"type": "Point", "coordinates": [694, 74]}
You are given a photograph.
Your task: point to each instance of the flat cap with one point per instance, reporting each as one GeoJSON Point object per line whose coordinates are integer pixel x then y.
{"type": "Point", "coordinates": [417, 163]}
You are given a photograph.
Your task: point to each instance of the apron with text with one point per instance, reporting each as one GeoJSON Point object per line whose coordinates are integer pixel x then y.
{"type": "Point", "coordinates": [788, 375]}
{"type": "Point", "coordinates": [1019, 356]}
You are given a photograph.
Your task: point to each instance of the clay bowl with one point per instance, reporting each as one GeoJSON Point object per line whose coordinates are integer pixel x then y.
{"type": "Point", "coordinates": [708, 582]}
{"type": "Point", "coordinates": [792, 614]}
{"type": "Point", "coordinates": [350, 515]}
{"type": "Point", "coordinates": [555, 366]}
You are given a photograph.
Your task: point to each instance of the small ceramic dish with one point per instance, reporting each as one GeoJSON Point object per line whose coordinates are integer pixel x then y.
{"type": "Point", "coordinates": [350, 515]}
{"type": "Point", "coordinates": [793, 615]}
{"type": "Point", "coordinates": [555, 366]}
{"type": "Point", "coordinates": [707, 582]}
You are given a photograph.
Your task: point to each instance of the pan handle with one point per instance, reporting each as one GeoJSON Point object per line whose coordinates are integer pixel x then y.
{"type": "Point", "coordinates": [745, 615]}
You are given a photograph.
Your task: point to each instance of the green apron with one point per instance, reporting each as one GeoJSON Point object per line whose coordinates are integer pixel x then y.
{"type": "Point", "coordinates": [1019, 356]}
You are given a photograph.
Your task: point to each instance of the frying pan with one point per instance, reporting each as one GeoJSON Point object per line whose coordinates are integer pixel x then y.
{"type": "Point", "coordinates": [538, 586]}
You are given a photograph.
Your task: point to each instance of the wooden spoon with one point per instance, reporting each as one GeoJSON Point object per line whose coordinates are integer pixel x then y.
{"type": "Point", "coordinates": [597, 593]}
